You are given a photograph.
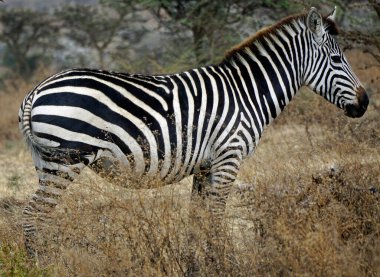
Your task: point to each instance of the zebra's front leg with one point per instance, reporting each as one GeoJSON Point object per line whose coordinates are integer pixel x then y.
{"type": "Point", "coordinates": [197, 216]}
{"type": "Point", "coordinates": [213, 184]}
{"type": "Point", "coordinates": [210, 191]}
{"type": "Point", "coordinates": [211, 196]}
{"type": "Point", "coordinates": [207, 202]}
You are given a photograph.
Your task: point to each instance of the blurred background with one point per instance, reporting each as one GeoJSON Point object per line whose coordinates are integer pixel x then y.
{"type": "Point", "coordinates": [153, 36]}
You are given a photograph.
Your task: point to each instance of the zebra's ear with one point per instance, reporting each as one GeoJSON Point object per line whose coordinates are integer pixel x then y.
{"type": "Point", "coordinates": [332, 15]}
{"type": "Point", "coordinates": [314, 22]}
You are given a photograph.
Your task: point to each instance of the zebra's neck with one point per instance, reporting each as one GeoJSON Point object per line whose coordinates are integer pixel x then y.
{"type": "Point", "coordinates": [271, 67]}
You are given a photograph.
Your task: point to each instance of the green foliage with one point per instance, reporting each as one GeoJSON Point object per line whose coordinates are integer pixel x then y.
{"type": "Point", "coordinates": [26, 34]}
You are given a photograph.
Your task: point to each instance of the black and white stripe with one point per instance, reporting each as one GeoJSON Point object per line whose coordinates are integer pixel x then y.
{"type": "Point", "coordinates": [204, 121]}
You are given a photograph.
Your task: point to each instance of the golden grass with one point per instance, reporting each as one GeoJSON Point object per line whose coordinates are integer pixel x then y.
{"type": "Point", "coordinates": [310, 208]}
{"type": "Point", "coordinates": [294, 221]}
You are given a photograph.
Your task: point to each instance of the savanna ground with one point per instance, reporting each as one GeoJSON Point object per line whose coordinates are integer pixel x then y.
{"type": "Point", "coordinates": [310, 206]}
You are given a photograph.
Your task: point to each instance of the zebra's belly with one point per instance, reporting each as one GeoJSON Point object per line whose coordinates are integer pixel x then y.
{"type": "Point", "coordinates": [124, 174]}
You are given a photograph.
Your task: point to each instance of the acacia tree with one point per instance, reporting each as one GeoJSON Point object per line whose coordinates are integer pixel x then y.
{"type": "Point", "coordinates": [26, 34]}
{"type": "Point", "coordinates": [95, 27]}
{"type": "Point", "coordinates": [212, 23]}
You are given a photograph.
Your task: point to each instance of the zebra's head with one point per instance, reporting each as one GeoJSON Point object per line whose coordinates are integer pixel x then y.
{"type": "Point", "coordinates": [328, 72]}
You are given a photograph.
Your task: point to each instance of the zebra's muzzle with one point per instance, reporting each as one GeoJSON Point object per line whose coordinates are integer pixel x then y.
{"type": "Point", "coordinates": [357, 110]}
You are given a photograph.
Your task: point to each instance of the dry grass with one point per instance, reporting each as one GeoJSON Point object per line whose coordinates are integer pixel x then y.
{"type": "Point", "coordinates": [311, 208]}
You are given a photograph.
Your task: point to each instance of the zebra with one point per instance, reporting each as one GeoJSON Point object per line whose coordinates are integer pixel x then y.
{"type": "Point", "coordinates": [202, 122]}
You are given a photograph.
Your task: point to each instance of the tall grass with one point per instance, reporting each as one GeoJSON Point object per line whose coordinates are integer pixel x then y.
{"type": "Point", "coordinates": [320, 223]}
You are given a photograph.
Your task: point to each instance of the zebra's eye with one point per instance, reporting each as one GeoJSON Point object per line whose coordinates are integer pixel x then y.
{"type": "Point", "coordinates": [336, 58]}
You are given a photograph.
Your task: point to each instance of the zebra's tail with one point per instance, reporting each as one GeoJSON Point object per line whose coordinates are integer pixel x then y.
{"type": "Point", "coordinates": [25, 126]}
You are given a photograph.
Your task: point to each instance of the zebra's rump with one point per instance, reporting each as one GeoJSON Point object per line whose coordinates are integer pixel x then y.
{"type": "Point", "coordinates": [87, 114]}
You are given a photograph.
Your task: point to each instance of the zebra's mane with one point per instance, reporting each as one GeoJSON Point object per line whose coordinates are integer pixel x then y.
{"type": "Point", "coordinates": [298, 19]}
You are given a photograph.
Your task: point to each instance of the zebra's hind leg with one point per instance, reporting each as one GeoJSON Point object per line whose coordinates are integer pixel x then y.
{"type": "Point", "coordinates": [36, 214]}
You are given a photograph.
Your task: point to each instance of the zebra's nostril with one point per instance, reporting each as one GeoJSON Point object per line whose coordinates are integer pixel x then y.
{"type": "Point", "coordinates": [363, 100]}
{"type": "Point", "coordinates": [357, 110]}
